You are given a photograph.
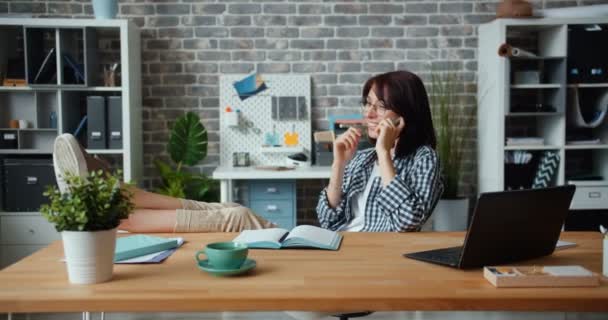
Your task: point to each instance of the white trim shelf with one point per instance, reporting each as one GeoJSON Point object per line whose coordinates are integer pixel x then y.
{"type": "Point", "coordinates": [25, 151]}
{"type": "Point", "coordinates": [30, 129]}
{"type": "Point", "coordinates": [531, 147]}
{"type": "Point", "coordinates": [59, 87]}
{"type": "Point", "coordinates": [588, 85]}
{"type": "Point", "coordinates": [282, 149]}
{"type": "Point", "coordinates": [19, 213]}
{"type": "Point", "coordinates": [538, 58]}
{"type": "Point", "coordinates": [589, 183]}
{"type": "Point", "coordinates": [105, 151]}
{"type": "Point", "coordinates": [534, 114]}
{"type": "Point", "coordinates": [586, 146]}
{"type": "Point", "coordinates": [537, 86]}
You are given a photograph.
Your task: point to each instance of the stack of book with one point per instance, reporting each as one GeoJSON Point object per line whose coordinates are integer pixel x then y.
{"type": "Point", "coordinates": [525, 141]}
{"type": "Point", "coordinates": [145, 249]}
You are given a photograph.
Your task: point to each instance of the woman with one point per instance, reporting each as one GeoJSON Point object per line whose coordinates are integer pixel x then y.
{"type": "Point", "coordinates": [395, 185]}
{"type": "Point", "coordinates": [155, 212]}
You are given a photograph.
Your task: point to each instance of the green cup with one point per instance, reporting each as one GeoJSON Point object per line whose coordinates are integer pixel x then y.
{"type": "Point", "coordinates": [224, 255]}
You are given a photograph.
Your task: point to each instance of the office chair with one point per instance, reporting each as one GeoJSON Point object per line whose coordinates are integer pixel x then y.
{"type": "Point", "coordinates": [346, 316]}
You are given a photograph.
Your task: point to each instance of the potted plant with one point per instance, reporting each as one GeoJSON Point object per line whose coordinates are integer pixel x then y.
{"type": "Point", "coordinates": [105, 9]}
{"type": "Point", "coordinates": [187, 147]}
{"type": "Point", "coordinates": [87, 217]}
{"type": "Point", "coordinates": [452, 120]}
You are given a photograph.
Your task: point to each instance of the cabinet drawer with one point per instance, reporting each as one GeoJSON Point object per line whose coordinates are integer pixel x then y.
{"type": "Point", "coordinates": [267, 190]}
{"type": "Point", "coordinates": [12, 254]}
{"type": "Point", "coordinates": [27, 230]}
{"type": "Point", "coordinates": [284, 223]}
{"type": "Point", "coordinates": [595, 197]}
{"type": "Point", "coordinates": [273, 209]}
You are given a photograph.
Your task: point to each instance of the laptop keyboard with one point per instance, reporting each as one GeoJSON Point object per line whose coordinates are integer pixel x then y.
{"type": "Point", "coordinates": [449, 256]}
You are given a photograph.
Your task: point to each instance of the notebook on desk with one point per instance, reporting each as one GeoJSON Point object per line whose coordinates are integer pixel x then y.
{"type": "Point", "coordinates": [506, 227]}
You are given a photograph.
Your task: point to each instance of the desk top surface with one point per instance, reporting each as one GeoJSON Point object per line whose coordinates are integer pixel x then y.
{"type": "Point", "coordinates": [247, 173]}
{"type": "Point", "coordinates": [367, 273]}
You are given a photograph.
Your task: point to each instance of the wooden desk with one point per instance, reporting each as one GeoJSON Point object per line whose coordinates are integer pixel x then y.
{"type": "Point", "coordinates": [367, 273]}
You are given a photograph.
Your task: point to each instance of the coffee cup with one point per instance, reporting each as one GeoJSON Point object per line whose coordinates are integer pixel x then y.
{"type": "Point", "coordinates": [23, 124]}
{"type": "Point", "coordinates": [224, 255]}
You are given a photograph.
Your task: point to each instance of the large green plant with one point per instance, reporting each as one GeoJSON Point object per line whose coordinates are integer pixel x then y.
{"type": "Point", "coordinates": [452, 120]}
{"type": "Point", "coordinates": [187, 147]}
{"type": "Point", "coordinates": [95, 202]}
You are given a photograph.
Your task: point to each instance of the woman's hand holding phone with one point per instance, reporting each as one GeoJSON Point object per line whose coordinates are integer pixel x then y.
{"type": "Point", "coordinates": [388, 131]}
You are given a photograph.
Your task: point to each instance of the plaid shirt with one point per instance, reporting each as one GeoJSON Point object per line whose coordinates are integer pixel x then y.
{"type": "Point", "coordinates": [403, 205]}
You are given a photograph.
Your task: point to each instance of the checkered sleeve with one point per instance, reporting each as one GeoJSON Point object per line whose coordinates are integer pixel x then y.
{"type": "Point", "coordinates": [409, 198]}
{"type": "Point", "coordinates": [333, 218]}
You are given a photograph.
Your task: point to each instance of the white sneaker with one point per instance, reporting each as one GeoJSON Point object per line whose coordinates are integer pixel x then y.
{"type": "Point", "coordinates": [68, 158]}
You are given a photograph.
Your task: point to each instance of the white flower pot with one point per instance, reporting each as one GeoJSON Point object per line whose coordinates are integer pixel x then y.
{"type": "Point", "coordinates": [451, 215]}
{"type": "Point", "coordinates": [89, 255]}
{"type": "Point", "coordinates": [105, 9]}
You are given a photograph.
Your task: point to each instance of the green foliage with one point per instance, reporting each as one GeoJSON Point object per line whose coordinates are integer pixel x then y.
{"type": "Point", "coordinates": [96, 202]}
{"type": "Point", "coordinates": [187, 147]}
{"type": "Point", "coordinates": [188, 141]}
{"type": "Point", "coordinates": [451, 120]}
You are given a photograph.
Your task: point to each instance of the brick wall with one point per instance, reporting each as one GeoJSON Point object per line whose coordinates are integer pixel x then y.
{"type": "Point", "coordinates": [187, 44]}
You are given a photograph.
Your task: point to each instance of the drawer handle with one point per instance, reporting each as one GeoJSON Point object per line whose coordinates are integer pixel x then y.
{"type": "Point", "coordinates": [32, 231]}
{"type": "Point", "coordinates": [32, 180]}
{"type": "Point", "coordinates": [595, 195]}
{"type": "Point", "coordinates": [271, 190]}
{"type": "Point", "coordinates": [272, 208]}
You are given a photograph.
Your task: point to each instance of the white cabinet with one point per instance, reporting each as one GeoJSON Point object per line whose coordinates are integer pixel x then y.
{"type": "Point", "coordinates": [531, 104]}
{"type": "Point", "coordinates": [48, 68]}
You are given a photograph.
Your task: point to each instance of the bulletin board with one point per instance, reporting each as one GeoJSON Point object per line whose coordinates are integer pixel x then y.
{"type": "Point", "coordinates": [263, 113]}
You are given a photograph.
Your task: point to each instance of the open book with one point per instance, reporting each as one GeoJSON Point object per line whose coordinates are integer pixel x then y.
{"type": "Point", "coordinates": [300, 237]}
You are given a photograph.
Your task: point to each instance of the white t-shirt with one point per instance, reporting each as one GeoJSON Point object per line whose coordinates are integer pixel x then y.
{"type": "Point", "coordinates": [357, 205]}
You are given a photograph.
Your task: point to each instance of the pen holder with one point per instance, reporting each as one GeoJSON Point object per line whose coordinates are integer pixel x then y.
{"type": "Point", "coordinates": [232, 118]}
{"type": "Point", "coordinates": [605, 264]}
{"type": "Point", "coordinates": [109, 78]}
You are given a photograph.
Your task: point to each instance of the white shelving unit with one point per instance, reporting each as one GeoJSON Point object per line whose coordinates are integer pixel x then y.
{"type": "Point", "coordinates": [25, 41]}
{"type": "Point", "coordinates": [508, 109]}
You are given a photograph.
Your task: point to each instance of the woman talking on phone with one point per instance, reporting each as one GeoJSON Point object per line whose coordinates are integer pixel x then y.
{"type": "Point", "coordinates": [395, 185]}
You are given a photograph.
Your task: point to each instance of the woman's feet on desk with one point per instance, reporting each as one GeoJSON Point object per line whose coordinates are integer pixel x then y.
{"type": "Point", "coordinates": [70, 158]}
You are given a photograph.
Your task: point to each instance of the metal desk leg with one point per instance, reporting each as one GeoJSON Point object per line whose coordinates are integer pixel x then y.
{"type": "Point", "coordinates": [86, 315]}
{"type": "Point", "coordinates": [226, 190]}
{"type": "Point", "coordinates": [9, 316]}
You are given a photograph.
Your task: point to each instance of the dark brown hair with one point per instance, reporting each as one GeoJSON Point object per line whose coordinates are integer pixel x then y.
{"type": "Point", "coordinates": [403, 93]}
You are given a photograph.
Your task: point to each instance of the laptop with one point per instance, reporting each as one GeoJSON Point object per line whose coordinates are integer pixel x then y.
{"type": "Point", "coordinates": [506, 227]}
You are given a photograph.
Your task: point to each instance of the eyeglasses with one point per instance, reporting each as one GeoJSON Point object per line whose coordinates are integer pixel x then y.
{"type": "Point", "coordinates": [378, 109]}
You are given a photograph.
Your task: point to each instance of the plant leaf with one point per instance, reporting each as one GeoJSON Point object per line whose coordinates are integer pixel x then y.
{"type": "Point", "coordinates": [188, 141]}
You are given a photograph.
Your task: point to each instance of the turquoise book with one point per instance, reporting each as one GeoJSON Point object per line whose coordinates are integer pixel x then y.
{"type": "Point", "coordinates": [141, 244]}
{"type": "Point", "coordinates": [303, 236]}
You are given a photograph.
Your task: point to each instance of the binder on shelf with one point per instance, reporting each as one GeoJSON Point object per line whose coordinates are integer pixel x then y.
{"type": "Point", "coordinates": [114, 122]}
{"type": "Point", "coordinates": [96, 122]}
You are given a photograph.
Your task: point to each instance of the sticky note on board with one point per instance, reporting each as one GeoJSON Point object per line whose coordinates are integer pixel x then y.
{"type": "Point", "coordinates": [249, 86]}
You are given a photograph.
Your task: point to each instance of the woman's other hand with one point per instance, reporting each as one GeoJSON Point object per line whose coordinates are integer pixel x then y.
{"type": "Point", "coordinates": [345, 145]}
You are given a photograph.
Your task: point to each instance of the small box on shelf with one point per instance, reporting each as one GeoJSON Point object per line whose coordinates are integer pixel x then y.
{"type": "Point", "coordinates": [9, 139]}
{"type": "Point", "coordinates": [28, 178]}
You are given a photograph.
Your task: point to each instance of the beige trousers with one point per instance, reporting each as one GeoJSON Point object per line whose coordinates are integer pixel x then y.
{"type": "Point", "coordinates": [197, 216]}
